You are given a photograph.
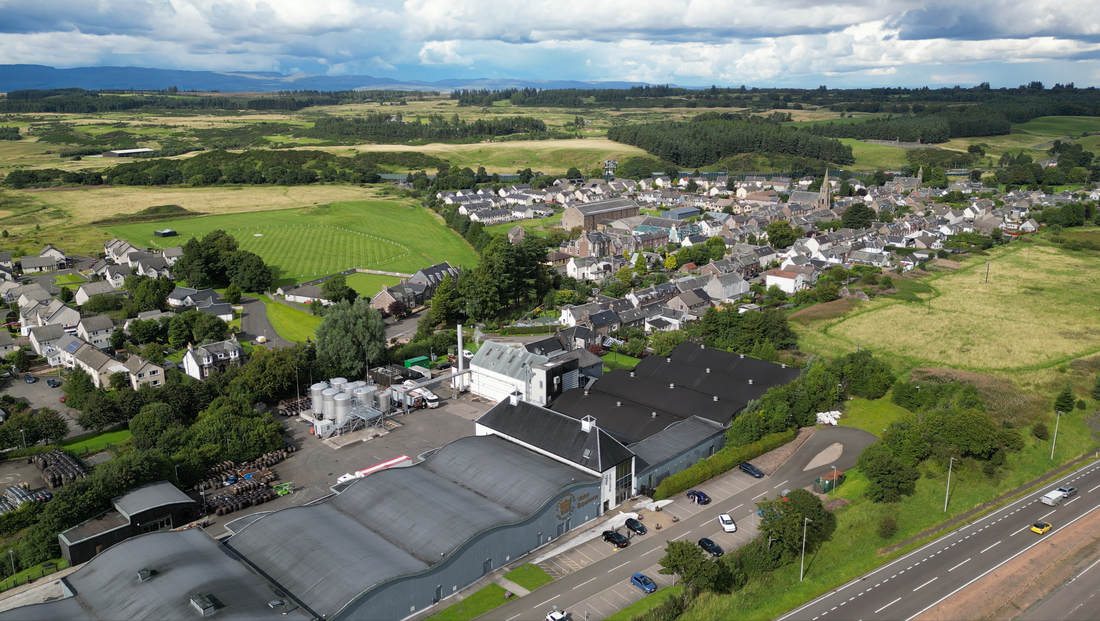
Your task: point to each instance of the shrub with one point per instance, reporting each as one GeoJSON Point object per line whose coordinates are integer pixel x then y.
{"type": "Point", "coordinates": [887, 526]}
{"type": "Point", "coordinates": [1040, 431]}
{"type": "Point", "coordinates": [722, 461]}
{"type": "Point", "coordinates": [1010, 439]}
{"type": "Point", "coordinates": [1080, 404]}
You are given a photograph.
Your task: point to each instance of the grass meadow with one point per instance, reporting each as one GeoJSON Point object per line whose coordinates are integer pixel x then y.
{"type": "Point", "coordinates": [304, 243]}
{"type": "Point", "coordinates": [370, 284]}
{"type": "Point", "coordinates": [1036, 312]}
{"type": "Point", "coordinates": [875, 156]}
{"type": "Point", "coordinates": [291, 323]}
{"type": "Point", "coordinates": [537, 226]}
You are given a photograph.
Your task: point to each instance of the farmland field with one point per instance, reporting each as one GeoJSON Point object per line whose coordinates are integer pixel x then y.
{"type": "Point", "coordinates": [875, 156]}
{"type": "Point", "coordinates": [548, 156]}
{"type": "Point", "coordinates": [1031, 315]}
{"type": "Point", "coordinates": [303, 243]}
{"type": "Point", "coordinates": [370, 284]}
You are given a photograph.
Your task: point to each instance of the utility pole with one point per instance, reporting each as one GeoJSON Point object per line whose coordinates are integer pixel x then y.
{"type": "Point", "coordinates": [987, 271]}
{"type": "Point", "coordinates": [802, 570]}
{"type": "Point", "coordinates": [1055, 442]}
{"type": "Point", "coordinates": [948, 494]}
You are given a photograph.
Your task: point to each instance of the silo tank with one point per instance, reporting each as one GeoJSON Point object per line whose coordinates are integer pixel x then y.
{"type": "Point", "coordinates": [316, 398]}
{"type": "Point", "coordinates": [328, 398]}
{"type": "Point", "coordinates": [338, 382]}
{"type": "Point", "coordinates": [341, 405]}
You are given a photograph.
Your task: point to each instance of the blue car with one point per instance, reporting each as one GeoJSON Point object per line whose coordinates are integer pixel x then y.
{"type": "Point", "coordinates": [643, 582]}
{"type": "Point", "coordinates": [698, 497]}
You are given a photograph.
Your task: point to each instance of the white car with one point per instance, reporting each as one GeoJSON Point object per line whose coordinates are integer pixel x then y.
{"type": "Point", "coordinates": [728, 525]}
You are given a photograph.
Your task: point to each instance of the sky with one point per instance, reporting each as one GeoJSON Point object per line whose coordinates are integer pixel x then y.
{"type": "Point", "coordinates": [798, 43]}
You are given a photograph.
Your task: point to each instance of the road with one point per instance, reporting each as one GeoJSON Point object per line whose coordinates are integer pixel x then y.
{"type": "Point", "coordinates": [602, 587]}
{"type": "Point", "coordinates": [254, 322]}
{"type": "Point", "coordinates": [921, 579]}
{"type": "Point", "coordinates": [1075, 601]}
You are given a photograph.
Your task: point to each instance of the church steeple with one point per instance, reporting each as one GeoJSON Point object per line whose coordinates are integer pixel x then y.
{"type": "Point", "coordinates": [824, 198]}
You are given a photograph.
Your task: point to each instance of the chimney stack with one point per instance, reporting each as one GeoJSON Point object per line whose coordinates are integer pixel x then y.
{"type": "Point", "coordinates": [588, 424]}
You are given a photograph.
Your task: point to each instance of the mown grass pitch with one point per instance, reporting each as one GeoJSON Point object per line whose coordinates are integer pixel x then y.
{"type": "Point", "coordinates": [304, 243]}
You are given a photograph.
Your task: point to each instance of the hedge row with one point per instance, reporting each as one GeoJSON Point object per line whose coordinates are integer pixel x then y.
{"type": "Point", "coordinates": [518, 330]}
{"type": "Point", "coordinates": [724, 460]}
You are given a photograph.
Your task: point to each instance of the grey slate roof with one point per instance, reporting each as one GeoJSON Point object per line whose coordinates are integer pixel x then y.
{"type": "Point", "coordinates": [556, 433]}
{"type": "Point", "coordinates": [669, 443]}
{"type": "Point", "coordinates": [96, 322]}
{"type": "Point", "coordinates": [187, 562]}
{"type": "Point", "coordinates": [48, 332]}
{"type": "Point", "coordinates": [149, 496]}
{"type": "Point", "coordinates": [505, 360]}
{"type": "Point", "coordinates": [96, 288]}
{"type": "Point", "coordinates": [369, 533]}
{"type": "Point", "coordinates": [599, 207]}
{"type": "Point", "coordinates": [38, 262]}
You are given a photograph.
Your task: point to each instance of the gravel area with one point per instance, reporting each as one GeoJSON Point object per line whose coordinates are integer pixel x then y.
{"type": "Point", "coordinates": [827, 456]}
{"type": "Point", "coordinates": [770, 462]}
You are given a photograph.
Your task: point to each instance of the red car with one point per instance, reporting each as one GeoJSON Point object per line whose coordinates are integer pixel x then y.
{"type": "Point", "coordinates": [62, 399]}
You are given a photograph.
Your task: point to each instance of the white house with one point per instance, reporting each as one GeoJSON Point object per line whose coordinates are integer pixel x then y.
{"type": "Point", "coordinates": [200, 362]}
{"type": "Point", "coordinates": [96, 330]}
{"type": "Point", "coordinates": [89, 289]}
{"type": "Point", "coordinates": [788, 282]}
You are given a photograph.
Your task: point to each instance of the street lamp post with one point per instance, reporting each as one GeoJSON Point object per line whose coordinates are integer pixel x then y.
{"type": "Point", "coordinates": [838, 387]}
{"type": "Point", "coordinates": [11, 553]}
{"type": "Point", "coordinates": [948, 493]}
{"type": "Point", "coordinates": [833, 486]}
{"type": "Point", "coordinates": [1052, 444]}
{"type": "Point", "coordinates": [802, 570]}
{"type": "Point", "coordinates": [24, 439]}
{"type": "Point", "coordinates": [177, 466]}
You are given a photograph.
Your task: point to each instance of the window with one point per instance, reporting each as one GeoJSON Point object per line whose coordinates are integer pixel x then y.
{"type": "Point", "coordinates": [153, 372]}
{"type": "Point", "coordinates": [141, 375]}
{"type": "Point", "coordinates": [155, 382]}
{"type": "Point", "coordinates": [160, 523]}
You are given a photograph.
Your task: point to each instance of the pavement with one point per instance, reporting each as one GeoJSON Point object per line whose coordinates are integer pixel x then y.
{"type": "Point", "coordinates": [593, 578]}
{"type": "Point", "coordinates": [254, 323]}
{"type": "Point", "coordinates": [39, 395]}
{"type": "Point", "coordinates": [1076, 601]}
{"type": "Point", "coordinates": [918, 581]}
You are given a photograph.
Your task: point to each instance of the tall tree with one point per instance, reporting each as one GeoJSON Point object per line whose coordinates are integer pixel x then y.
{"type": "Point", "coordinates": [783, 520]}
{"type": "Point", "coordinates": [446, 305]}
{"type": "Point", "coordinates": [247, 270]}
{"type": "Point", "coordinates": [336, 289]}
{"type": "Point", "coordinates": [1065, 400]}
{"type": "Point", "coordinates": [687, 560]}
{"type": "Point", "coordinates": [858, 216]}
{"type": "Point", "coordinates": [782, 235]}
{"type": "Point", "coordinates": [351, 336]}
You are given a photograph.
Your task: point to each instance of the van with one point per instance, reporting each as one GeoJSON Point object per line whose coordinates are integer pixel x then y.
{"type": "Point", "coordinates": [1052, 498]}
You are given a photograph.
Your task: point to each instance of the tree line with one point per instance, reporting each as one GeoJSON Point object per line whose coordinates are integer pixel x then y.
{"type": "Point", "coordinates": [925, 128]}
{"type": "Point", "coordinates": [384, 127]}
{"type": "Point", "coordinates": [705, 142]}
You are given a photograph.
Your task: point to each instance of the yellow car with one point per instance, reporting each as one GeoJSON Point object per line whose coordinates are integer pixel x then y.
{"type": "Point", "coordinates": [1040, 527]}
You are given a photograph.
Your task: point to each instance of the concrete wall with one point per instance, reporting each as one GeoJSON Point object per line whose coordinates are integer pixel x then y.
{"type": "Point", "coordinates": [407, 595]}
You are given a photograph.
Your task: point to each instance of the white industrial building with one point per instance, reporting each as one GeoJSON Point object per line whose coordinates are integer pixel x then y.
{"type": "Point", "coordinates": [497, 371]}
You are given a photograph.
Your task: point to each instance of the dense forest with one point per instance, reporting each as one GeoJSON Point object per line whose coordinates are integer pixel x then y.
{"type": "Point", "coordinates": [708, 139]}
{"type": "Point", "coordinates": [9, 133]}
{"type": "Point", "coordinates": [913, 128]}
{"type": "Point", "coordinates": [256, 167]}
{"type": "Point", "coordinates": [385, 127]}
{"type": "Point", "coordinates": [80, 101]}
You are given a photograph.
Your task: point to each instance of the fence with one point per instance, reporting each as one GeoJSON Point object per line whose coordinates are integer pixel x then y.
{"type": "Point", "coordinates": [32, 574]}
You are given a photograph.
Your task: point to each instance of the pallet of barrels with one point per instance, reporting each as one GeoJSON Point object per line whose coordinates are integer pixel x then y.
{"type": "Point", "coordinates": [224, 504]}
{"type": "Point", "coordinates": [58, 468]}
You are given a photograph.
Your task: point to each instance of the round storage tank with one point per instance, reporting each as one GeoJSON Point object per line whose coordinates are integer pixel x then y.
{"type": "Point", "coordinates": [365, 396]}
{"type": "Point", "coordinates": [351, 387]}
{"type": "Point", "coordinates": [341, 405]}
{"type": "Point", "coordinates": [338, 382]}
{"type": "Point", "coordinates": [316, 398]}
{"type": "Point", "coordinates": [328, 397]}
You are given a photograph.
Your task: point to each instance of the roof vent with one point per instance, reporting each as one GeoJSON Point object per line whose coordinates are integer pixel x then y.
{"type": "Point", "coordinates": [708, 369]}
{"type": "Point", "coordinates": [750, 382]}
{"type": "Point", "coordinates": [672, 385]}
{"type": "Point", "coordinates": [587, 453]}
{"type": "Point", "coordinates": [145, 574]}
{"type": "Point", "coordinates": [742, 355]}
{"type": "Point", "coordinates": [587, 424]}
{"type": "Point", "coordinates": [669, 359]}
{"type": "Point", "coordinates": [618, 404]}
{"type": "Point", "coordinates": [513, 399]}
{"type": "Point", "coordinates": [203, 604]}
{"type": "Point", "coordinates": [716, 397]}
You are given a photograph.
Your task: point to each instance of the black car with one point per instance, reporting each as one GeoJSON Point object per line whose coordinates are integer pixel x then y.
{"type": "Point", "coordinates": [30, 379]}
{"type": "Point", "coordinates": [443, 366]}
{"type": "Point", "coordinates": [710, 547]}
{"type": "Point", "coordinates": [752, 470]}
{"type": "Point", "coordinates": [635, 526]}
{"type": "Point", "coordinates": [52, 383]}
{"type": "Point", "coordinates": [698, 497]}
{"type": "Point", "coordinates": [615, 538]}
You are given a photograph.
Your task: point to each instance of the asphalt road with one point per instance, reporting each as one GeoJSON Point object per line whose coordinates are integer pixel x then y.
{"type": "Point", "coordinates": [603, 586]}
{"type": "Point", "coordinates": [254, 322]}
{"type": "Point", "coordinates": [1075, 601]}
{"type": "Point", "coordinates": [921, 579]}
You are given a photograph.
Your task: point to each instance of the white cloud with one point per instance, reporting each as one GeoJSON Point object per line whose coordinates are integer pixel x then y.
{"type": "Point", "coordinates": [442, 53]}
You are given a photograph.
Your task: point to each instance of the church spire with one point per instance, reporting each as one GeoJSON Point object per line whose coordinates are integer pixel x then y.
{"type": "Point", "coordinates": [824, 198]}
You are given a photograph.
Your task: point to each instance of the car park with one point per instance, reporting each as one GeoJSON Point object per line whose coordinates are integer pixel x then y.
{"type": "Point", "coordinates": [615, 538]}
{"type": "Point", "coordinates": [557, 615]}
{"type": "Point", "coordinates": [728, 525]}
{"type": "Point", "coordinates": [635, 526]}
{"type": "Point", "coordinates": [710, 547]}
{"type": "Point", "coordinates": [698, 497]}
{"type": "Point", "coordinates": [30, 379]}
{"type": "Point", "coordinates": [1040, 527]}
{"type": "Point", "coordinates": [1068, 491]}
{"type": "Point", "coordinates": [751, 470]}
{"type": "Point", "coordinates": [52, 383]}
{"type": "Point", "coordinates": [644, 583]}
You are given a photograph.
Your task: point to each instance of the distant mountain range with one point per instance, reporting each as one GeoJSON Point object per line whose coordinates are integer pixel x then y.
{"type": "Point", "coordinates": [19, 77]}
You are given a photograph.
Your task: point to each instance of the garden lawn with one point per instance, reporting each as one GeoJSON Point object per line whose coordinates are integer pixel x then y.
{"type": "Point", "coordinates": [615, 360]}
{"type": "Point", "coordinates": [291, 323]}
{"type": "Point", "coordinates": [68, 279]}
{"type": "Point", "coordinates": [534, 225]}
{"type": "Point", "coordinates": [871, 416]}
{"type": "Point", "coordinates": [301, 244]}
{"type": "Point", "coordinates": [529, 576]}
{"type": "Point", "coordinates": [368, 285]}
{"type": "Point", "coordinates": [646, 604]}
{"type": "Point", "coordinates": [35, 572]}
{"type": "Point", "coordinates": [477, 604]}
{"type": "Point", "coordinates": [97, 442]}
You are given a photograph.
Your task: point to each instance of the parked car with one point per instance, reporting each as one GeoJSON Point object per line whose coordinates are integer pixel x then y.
{"type": "Point", "coordinates": [751, 470]}
{"type": "Point", "coordinates": [635, 526]}
{"type": "Point", "coordinates": [615, 538]}
{"type": "Point", "coordinates": [52, 383]}
{"type": "Point", "coordinates": [728, 525]}
{"type": "Point", "coordinates": [30, 379]}
{"type": "Point", "coordinates": [557, 615]}
{"type": "Point", "coordinates": [698, 497]}
{"type": "Point", "coordinates": [710, 547]}
{"type": "Point", "coordinates": [644, 583]}
{"type": "Point", "coordinates": [1068, 491]}
{"type": "Point", "coordinates": [443, 366]}
{"type": "Point", "coordinates": [5, 375]}
{"type": "Point", "coordinates": [1040, 527]}
{"type": "Point", "coordinates": [62, 399]}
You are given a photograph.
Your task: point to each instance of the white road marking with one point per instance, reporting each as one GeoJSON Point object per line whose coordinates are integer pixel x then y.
{"type": "Point", "coordinates": [1093, 489]}
{"type": "Point", "coordinates": [614, 568]}
{"type": "Point", "coordinates": [926, 583]}
{"type": "Point", "coordinates": [1020, 531]}
{"type": "Point", "coordinates": [959, 565]}
{"type": "Point", "coordinates": [781, 484]}
{"type": "Point", "coordinates": [989, 548]}
{"type": "Point", "coordinates": [683, 535]}
{"type": "Point", "coordinates": [582, 584]}
{"type": "Point", "coordinates": [888, 605]}
{"type": "Point", "coordinates": [1051, 513]}
{"type": "Point", "coordinates": [547, 601]}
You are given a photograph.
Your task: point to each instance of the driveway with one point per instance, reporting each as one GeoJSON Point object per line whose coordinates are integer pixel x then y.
{"type": "Point", "coordinates": [254, 323]}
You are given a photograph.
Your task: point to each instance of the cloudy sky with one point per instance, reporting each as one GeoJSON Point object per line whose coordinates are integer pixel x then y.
{"type": "Point", "coordinates": [690, 42]}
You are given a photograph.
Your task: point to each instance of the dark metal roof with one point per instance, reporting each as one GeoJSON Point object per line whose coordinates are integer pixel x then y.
{"type": "Point", "coordinates": [605, 206]}
{"type": "Point", "coordinates": [150, 496]}
{"type": "Point", "coordinates": [557, 434]}
{"type": "Point", "coordinates": [728, 375]}
{"type": "Point", "coordinates": [401, 520]}
{"type": "Point", "coordinates": [186, 562]}
{"type": "Point", "coordinates": [676, 438]}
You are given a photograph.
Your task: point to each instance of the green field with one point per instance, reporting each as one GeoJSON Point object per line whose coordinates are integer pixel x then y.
{"type": "Point", "coordinates": [875, 156]}
{"type": "Point", "coordinates": [1032, 314]}
{"type": "Point", "coordinates": [291, 323]}
{"type": "Point", "coordinates": [370, 284]}
{"type": "Point", "coordinates": [871, 416]}
{"type": "Point", "coordinates": [98, 442]}
{"type": "Point", "coordinates": [536, 226]}
{"type": "Point", "coordinates": [303, 243]}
